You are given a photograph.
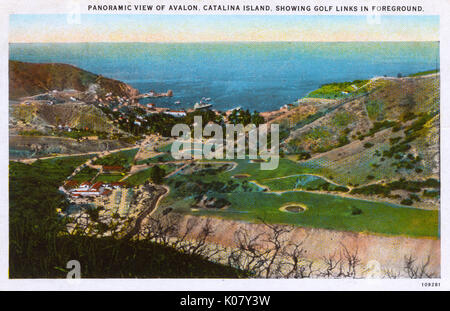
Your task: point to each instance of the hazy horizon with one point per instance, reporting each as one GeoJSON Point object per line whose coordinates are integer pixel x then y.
{"type": "Point", "coordinates": [60, 28]}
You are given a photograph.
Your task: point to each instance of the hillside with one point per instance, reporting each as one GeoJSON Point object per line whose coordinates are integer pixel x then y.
{"type": "Point", "coordinates": [386, 133]}
{"type": "Point", "coordinates": [76, 115]}
{"type": "Point", "coordinates": [28, 79]}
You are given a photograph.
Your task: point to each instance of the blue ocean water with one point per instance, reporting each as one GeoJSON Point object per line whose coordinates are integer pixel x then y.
{"type": "Point", "coordinates": [255, 76]}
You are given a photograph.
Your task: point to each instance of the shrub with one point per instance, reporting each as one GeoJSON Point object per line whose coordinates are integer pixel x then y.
{"type": "Point", "coordinates": [394, 140]}
{"type": "Point", "coordinates": [343, 140]}
{"type": "Point", "coordinates": [341, 189]}
{"type": "Point", "coordinates": [431, 183]}
{"type": "Point", "coordinates": [304, 155]}
{"type": "Point", "coordinates": [414, 197]}
{"type": "Point", "coordinates": [396, 128]}
{"type": "Point", "coordinates": [408, 116]}
{"type": "Point", "coordinates": [356, 211]}
{"type": "Point", "coordinates": [431, 193]}
{"type": "Point", "coordinates": [375, 110]}
{"type": "Point", "coordinates": [406, 202]}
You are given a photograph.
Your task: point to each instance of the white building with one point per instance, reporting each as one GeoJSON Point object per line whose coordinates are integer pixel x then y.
{"type": "Point", "coordinates": [86, 189]}
{"type": "Point", "coordinates": [177, 114]}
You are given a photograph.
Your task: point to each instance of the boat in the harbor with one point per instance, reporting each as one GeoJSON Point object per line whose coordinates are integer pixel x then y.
{"type": "Point", "coordinates": [201, 105]}
{"type": "Point", "coordinates": [235, 108]}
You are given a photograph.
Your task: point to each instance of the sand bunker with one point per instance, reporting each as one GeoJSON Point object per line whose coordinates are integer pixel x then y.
{"type": "Point", "coordinates": [293, 208]}
{"type": "Point", "coordinates": [241, 176]}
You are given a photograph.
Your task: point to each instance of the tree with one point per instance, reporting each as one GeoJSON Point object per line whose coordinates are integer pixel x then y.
{"type": "Point", "coordinates": [356, 211]}
{"type": "Point", "coordinates": [157, 174]}
{"type": "Point", "coordinates": [257, 119]}
{"type": "Point", "coordinates": [304, 155]}
{"type": "Point", "coordinates": [417, 271]}
{"type": "Point", "coordinates": [233, 118]}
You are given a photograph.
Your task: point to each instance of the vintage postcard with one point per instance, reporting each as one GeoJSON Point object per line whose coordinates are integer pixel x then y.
{"type": "Point", "coordinates": [205, 143]}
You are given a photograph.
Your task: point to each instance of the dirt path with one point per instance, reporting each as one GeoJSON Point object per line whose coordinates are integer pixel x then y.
{"type": "Point", "coordinates": [156, 197]}
{"type": "Point", "coordinates": [32, 160]}
{"type": "Point", "coordinates": [305, 174]}
{"type": "Point", "coordinates": [102, 153]}
{"type": "Point", "coordinates": [179, 169]}
{"type": "Point", "coordinates": [232, 163]}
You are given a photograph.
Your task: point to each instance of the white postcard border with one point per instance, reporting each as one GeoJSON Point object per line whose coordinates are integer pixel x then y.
{"type": "Point", "coordinates": [441, 8]}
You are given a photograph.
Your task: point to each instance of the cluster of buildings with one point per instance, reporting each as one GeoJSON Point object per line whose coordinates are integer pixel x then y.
{"type": "Point", "coordinates": [87, 189]}
{"type": "Point", "coordinates": [122, 105]}
{"type": "Point", "coordinates": [149, 108]}
{"type": "Point", "coordinates": [109, 97]}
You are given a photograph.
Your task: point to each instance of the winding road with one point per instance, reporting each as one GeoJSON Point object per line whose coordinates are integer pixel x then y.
{"type": "Point", "coordinates": [159, 194]}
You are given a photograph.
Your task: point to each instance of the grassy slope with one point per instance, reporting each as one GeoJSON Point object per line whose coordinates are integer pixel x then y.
{"type": "Point", "coordinates": [338, 89]}
{"type": "Point", "coordinates": [121, 158]}
{"type": "Point", "coordinates": [324, 211]}
{"type": "Point", "coordinates": [86, 174]}
{"type": "Point", "coordinates": [107, 178]}
{"type": "Point", "coordinates": [301, 182]}
{"type": "Point", "coordinates": [159, 158]}
{"type": "Point", "coordinates": [423, 73]}
{"type": "Point", "coordinates": [142, 176]}
{"type": "Point", "coordinates": [59, 168]}
{"type": "Point", "coordinates": [333, 212]}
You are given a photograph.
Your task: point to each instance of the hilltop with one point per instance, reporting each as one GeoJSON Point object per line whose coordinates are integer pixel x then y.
{"type": "Point", "coordinates": [28, 79]}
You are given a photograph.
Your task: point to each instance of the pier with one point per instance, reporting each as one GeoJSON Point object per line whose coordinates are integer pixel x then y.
{"type": "Point", "coordinates": [153, 94]}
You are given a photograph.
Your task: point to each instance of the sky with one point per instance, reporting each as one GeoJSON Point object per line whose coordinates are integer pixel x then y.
{"type": "Point", "coordinates": [210, 28]}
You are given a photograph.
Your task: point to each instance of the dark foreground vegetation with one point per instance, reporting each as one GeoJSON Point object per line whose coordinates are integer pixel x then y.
{"type": "Point", "coordinates": [40, 247]}
{"type": "Point", "coordinates": [109, 258]}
